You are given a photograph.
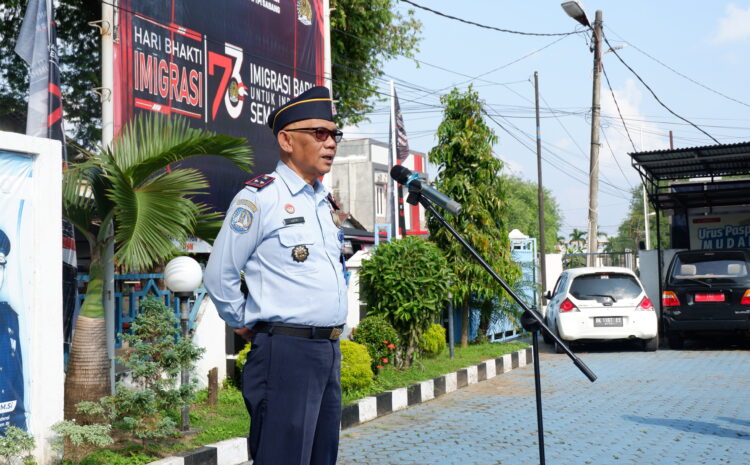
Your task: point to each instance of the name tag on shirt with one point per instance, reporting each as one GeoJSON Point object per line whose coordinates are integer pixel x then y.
{"type": "Point", "coordinates": [295, 220]}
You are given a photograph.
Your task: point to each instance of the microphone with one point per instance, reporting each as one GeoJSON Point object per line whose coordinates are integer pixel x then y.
{"type": "Point", "coordinates": [405, 176]}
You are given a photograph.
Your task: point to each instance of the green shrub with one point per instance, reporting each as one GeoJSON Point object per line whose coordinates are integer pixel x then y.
{"type": "Point", "coordinates": [355, 366]}
{"type": "Point", "coordinates": [433, 340]}
{"type": "Point", "coordinates": [16, 443]}
{"type": "Point", "coordinates": [145, 410]}
{"type": "Point", "coordinates": [242, 357]}
{"type": "Point", "coordinates": [406, 282]}
{"type": "Point", "coordinates": [77, 441]}
{"type": "Point", "coordinates": [381, 340]}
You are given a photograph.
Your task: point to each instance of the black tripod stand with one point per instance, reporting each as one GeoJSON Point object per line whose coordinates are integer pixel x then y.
{"type": "Point", "coordinates": [530, 320]}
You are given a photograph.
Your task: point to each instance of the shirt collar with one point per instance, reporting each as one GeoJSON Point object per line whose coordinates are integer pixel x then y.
{"type": "Point", "coordinates": [295, 183]}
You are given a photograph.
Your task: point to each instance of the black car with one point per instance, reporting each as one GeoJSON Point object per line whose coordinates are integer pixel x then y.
{"type": "Point", "coordinates": [706, 291]}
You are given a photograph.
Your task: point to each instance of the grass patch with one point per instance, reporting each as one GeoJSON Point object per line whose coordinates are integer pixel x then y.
{"type": "Point", "coordinates": [230, 419]}
{"type": "Point", "coordinates": [427, 368]}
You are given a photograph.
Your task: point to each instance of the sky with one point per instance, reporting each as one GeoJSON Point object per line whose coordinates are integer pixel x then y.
{"type": "Point", "coordinates": [706, 45]}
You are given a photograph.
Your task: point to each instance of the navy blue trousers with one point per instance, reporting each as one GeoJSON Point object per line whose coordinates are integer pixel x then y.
{"type": "Point", "coordinates": [292, 390]}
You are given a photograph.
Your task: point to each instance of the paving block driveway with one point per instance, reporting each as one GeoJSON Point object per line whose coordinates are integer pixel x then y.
{"type": "Point", "coordinates": [668, 407]}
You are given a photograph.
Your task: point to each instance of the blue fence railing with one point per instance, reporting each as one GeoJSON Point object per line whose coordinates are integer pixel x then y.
{"type": "Point", "coordinates": [131, 288]}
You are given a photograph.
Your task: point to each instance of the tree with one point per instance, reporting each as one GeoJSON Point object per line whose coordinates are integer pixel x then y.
{"type": "Point", "coordinates": [408, 294]}
{"type": "Point", "coordinates": [151, 207]}
{"type": "Point", "coordinates": [469, 173]}
{"type": "Point", "coordinates": [78, 47]}
{"type": "Point", "coordinates": [523, 201]}
{"type": "Point", "coordinates": [632, 230]}
{"type": "Point", "coordinates": [577, 241]}
{"type": "Point", "coordinates": [364, 35]}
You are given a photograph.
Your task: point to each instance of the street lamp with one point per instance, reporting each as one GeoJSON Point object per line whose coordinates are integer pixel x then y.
{"type": "Point", "coordinates": [575, 10]}
{"type": "Point", "coordinates": [183, 275]}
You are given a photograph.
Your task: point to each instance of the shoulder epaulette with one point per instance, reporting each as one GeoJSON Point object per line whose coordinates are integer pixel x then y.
{"type": "Point", "coordinates": [260, 181]}
{"type": "Point", "coordinates": [333, 203]}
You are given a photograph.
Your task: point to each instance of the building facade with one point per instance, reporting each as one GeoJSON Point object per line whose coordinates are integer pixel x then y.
{"type": "Point", "coordinates": [361, 184]}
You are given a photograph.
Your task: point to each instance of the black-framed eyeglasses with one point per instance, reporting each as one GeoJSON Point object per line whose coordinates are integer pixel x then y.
{"type": "Point", "coordinates": [322, 134]}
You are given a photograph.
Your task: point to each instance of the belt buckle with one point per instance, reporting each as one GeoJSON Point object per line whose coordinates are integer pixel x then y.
{"type": "Point", "coordinates": [335, 333]}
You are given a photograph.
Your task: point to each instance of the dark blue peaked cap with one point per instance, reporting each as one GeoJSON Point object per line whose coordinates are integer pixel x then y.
{"type": "Point", "coordinates": [314, 103]}
{"type": "Point", "coordinates": [4, 243]}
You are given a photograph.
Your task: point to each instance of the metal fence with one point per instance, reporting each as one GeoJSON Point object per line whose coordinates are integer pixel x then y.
{"type": "Point", "coordinates": [625, 259]}
{"type": "Point", "coordinates": [131, 288]}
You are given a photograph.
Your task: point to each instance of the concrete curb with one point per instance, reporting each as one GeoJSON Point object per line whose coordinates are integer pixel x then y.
{"type": "Point", "coordinates": [384, 403]}
{"type": "Point", "coordinates": [234, 451]}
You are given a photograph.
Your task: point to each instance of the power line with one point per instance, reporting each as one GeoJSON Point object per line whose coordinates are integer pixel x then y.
{"type": "Point", "coordinates": [604, 179]}
{"type": "Point", "coordinates": [564, 128]}
{"type": "Point", "coordinates": [683, 75]}
{"type": "Point", "coordinates": [614, 157]}
{"type": "Point", "coordinates": [429, 92]}
{"type": "Point", "coordinates": [546, 159]}
{"type": "Point", "coordinates": [653, 93]}
{"type": "Point", "coordinates": [485, 26]}
{"type": "Point", "coordinates": [617, 105]}
{"type": "Point", "coordinates": [533, 52]}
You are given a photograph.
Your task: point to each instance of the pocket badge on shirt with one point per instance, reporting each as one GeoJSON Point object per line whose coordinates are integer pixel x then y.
{"type": "Point", "coordinates": [300, 253]}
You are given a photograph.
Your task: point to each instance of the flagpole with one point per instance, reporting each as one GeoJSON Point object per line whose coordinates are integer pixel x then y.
{"type": "Point", "coordinates": [393, 200]}
{"type": "Point", "coordinates": [108, 133]}
{"type": "Point", "coordinates": [327, 75]}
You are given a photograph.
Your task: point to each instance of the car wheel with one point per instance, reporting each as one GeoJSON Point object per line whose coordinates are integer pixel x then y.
{"type": "Point", "coordinates": [547, 338]}
{"type": "Point", "coordinates": [558, 348]}
{"type": "Point", "coordinates": [675, 341]}
{"type": "Point", "coordinates": [651, 345]}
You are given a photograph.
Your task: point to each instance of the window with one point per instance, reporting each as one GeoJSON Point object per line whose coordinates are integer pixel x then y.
{"type": "Point", "coordinates": [380, 200]}
{"type": "Point", "coordinates": [615, 285]}
{"type": "Point", "coordinates": [729, 266]}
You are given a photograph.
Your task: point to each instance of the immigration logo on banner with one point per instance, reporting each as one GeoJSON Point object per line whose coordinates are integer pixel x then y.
{"type": "Point", "coordinates": [224, 65]}
{"type": "Point", "coordinates": [15, 260]}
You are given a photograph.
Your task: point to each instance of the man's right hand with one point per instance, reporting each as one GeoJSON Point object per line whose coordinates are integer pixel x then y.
{"type": "Point", "coordinates": [245, 333]}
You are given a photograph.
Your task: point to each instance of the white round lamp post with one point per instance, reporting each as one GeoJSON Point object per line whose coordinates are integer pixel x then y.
{"type": "Point", "coordinates": [183, 275]}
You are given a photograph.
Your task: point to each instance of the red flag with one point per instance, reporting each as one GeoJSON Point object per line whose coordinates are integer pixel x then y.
{"type": "Point", "coordinates": [37, 46]}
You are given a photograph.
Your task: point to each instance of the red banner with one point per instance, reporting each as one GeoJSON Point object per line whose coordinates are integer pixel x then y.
{"type": "Point", "coordinates": [224, 65]}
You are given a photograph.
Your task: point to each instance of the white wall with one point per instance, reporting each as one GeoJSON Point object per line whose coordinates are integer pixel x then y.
{"type": "Point", "coordinates": [648, 270]}
{"type": "Point", "coordinates": [553, 268]}
{"type": "Point", "coordinates": [42, 327]}
{"type": "Point", "coordinates": [210, 334]}
{"type": "Point", "coordinates": [353, 265]}
{"type": "Point", "coordinates": [379, 154]}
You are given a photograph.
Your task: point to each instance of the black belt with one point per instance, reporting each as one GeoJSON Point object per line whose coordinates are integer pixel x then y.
{"type": "Point", "coordinates": [308, 332]}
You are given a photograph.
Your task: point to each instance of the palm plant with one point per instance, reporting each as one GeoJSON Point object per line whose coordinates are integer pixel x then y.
{"type": "Point", "coordinates": [578, 238]}
{"type": "Point", "coordinates": [561, 243]}
{"type": "Point", "coordinates": [128, 185]}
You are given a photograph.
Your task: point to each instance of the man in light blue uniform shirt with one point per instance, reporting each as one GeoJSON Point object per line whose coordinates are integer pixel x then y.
{"type": "Point", "coordinates": [281, 231]}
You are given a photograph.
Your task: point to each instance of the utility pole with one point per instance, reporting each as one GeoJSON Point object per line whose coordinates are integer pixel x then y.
{"type": "Point", "coordinates": [540, 195]}
{"type": "Point", "coordinates": [593, 242]}
{"type": "Point", "coordinates": [645, 205]}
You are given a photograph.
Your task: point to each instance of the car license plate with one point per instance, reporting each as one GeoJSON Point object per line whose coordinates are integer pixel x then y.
{"type": "Point", "coordinates": [604, 321]}
{"type": "Point", "coordinates": [710, 297]}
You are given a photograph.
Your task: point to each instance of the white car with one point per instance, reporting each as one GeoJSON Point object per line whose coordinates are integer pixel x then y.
{"type": "Point", "coordinates": [601, 303]}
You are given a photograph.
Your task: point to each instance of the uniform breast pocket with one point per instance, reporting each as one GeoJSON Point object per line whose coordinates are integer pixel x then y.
{"type": "Point", "coordinates": [298, 247]}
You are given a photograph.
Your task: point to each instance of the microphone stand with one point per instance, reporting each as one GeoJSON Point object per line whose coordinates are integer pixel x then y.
{"type": "Point", "coordinates": [530, 320]}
